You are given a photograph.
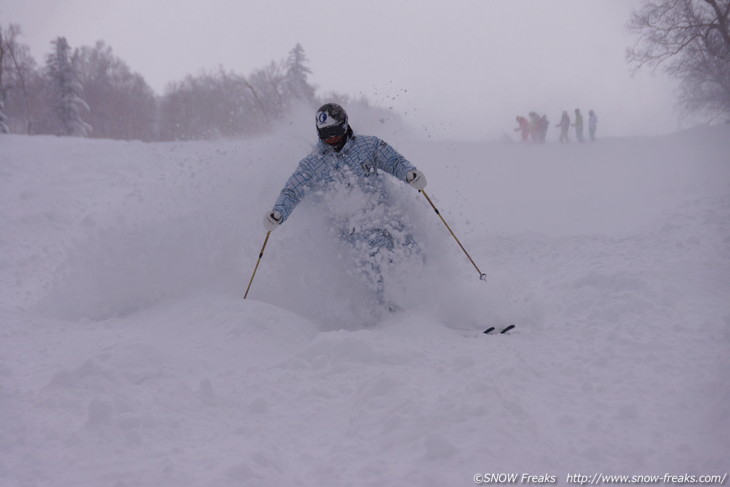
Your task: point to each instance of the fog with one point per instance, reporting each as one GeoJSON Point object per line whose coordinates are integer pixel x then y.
{"type": "Point", "coordinates": [457, 70]}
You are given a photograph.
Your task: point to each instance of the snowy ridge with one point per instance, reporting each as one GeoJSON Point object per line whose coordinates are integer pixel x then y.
{"type": "Point", "coordinates": [128, 358]}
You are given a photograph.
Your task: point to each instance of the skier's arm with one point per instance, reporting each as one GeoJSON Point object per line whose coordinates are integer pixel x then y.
{"type": "Point", "coordinates": [294, 190]}
{"type": "Point", "coordinates": [390, 161]}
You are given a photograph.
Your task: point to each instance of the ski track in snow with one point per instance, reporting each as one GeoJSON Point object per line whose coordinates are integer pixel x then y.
{"type": "Point", "coordinates": [128, 358]}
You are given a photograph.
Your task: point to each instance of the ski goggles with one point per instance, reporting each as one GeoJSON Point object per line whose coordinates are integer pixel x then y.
{"type": "Point", "coordinates": [332, 131]}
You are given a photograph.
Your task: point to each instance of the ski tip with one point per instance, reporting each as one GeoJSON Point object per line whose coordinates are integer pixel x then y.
{"type": "Point", "coordinates": [502, 331]}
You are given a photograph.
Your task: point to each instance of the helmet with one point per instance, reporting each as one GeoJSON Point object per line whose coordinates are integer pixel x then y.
{"type": "Point", "coordinates": [331, 121]}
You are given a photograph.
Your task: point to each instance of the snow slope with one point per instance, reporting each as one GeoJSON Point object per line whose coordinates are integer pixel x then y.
{"type": "Point", "coordinates": [129, 358]}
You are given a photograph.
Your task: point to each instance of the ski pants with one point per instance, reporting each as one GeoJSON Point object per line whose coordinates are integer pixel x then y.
{"type": "Point", "coordinates": [377, 249]}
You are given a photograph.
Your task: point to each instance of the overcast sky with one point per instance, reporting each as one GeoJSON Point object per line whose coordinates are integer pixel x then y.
{"type": "Point", "coordinates": [453, 69]}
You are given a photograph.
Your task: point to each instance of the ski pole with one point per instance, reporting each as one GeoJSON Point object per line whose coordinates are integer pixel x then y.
{"type": "Point", "coordinates": [482, 276]}
{"type": "Point", "coordinates": [261, 254]}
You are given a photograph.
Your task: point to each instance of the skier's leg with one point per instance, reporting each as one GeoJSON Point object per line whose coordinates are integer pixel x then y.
{"type": "Point", "coordinates": [372, 249]}
{"type": "Point", "coordinates": [380, 243]}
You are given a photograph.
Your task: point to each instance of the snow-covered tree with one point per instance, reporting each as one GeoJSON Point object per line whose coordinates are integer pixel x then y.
{"type": "Point", "coordinates": [18, 78]}
{"type": "Point", "coordinates": [690, 39]}
{"type": "Point", "coordinates": [211, 105]}
{"type": "Point", "coordinates": [124, 106]}
{"type": "Point", "coordinates": [269, 84]}
{"type": "Point", "coordinates": [67, 89]}
{"type": "Point", "coordinates": [296, 75]}
{"type": "Point", "coordinates": [228, 104]}
{"type": "Point", "coordinates": [3, 120]}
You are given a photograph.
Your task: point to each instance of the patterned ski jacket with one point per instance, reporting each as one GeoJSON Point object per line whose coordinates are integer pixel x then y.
{"type": "Point", "coordinates": [592, 121]}
{"type": "Point", "coordinates": [359, 162]}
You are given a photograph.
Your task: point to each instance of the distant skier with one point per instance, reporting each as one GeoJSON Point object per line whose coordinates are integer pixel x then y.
{"type": "Point", "coordinates": [592, 124]}
{"type": "Point", "coordinates": [344, 161]}
{"type": "Point", "coordinates": [578, 125]}
{"type": "Point", "coordinates": [535, 126]}
{"type": "Point", "coordinates": [564, 126]}
{"type": "Point", "coordinates": [523, 127]}
{"type": "Point", "coordinates": [543, 124]}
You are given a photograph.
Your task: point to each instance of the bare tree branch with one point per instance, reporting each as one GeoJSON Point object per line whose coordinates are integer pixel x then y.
{"type": "Point", "coordinates": [688, 39]}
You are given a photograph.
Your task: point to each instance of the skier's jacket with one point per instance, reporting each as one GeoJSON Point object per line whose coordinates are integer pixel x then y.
{"type": "Point", "coordinates": [359, 162]}
{"type": "Point", "coordinates": [578, 121]}
{"type": "Point", "coordinates": [564, 122]}
{"type": "Point", "coordinates": [592, 121]}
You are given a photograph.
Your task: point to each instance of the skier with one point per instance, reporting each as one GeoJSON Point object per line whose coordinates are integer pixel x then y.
{"type": "Point", "coordinates": [578, 125]}
{"type": "Point", "coordinates": [564, 125]}
{"type": "Point", "coordinates": [592, 124]}
{"type": "Point", "coordinates": [524, 127]}
{"type": "Point", "coordinates": [543, 124]}
{"type": "Point", "coordinates": [346, 161]}
{"type": "Point", "coordinates": [535, 126]}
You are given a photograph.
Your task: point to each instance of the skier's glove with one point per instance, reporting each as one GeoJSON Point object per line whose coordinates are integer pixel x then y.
{"type": "Point", "coordinates": [272, 220]}
{"type": "Point", "coordinates": [416, 178]}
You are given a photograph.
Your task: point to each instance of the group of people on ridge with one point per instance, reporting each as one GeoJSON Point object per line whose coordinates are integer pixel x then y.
{"type": "Point", "coordinates": [535, 129]}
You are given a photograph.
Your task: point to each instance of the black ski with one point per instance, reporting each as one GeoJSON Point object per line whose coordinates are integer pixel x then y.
{"type": "Point", "coordinates": [502, 331]}
{"type": "Point", "coordinates": [492, 330]}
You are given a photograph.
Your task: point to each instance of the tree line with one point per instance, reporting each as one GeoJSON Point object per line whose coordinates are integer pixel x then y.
{"type": "Point", "coordinates": [90, 92]}
{"type": "Point", "coordinates": [690, 40]}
